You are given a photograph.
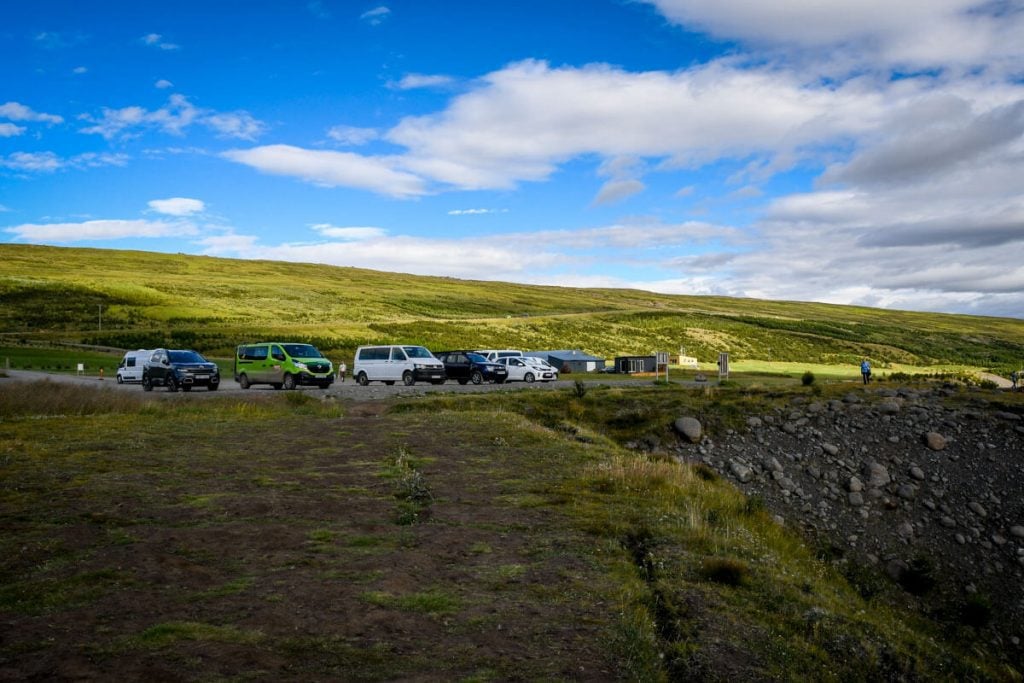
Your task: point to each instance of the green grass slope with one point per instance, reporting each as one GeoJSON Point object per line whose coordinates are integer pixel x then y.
{"type": "Point", "coordinates": [151, 299]}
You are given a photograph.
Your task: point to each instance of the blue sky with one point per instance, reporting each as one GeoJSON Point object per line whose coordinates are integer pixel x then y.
{"type": "Point", "coordinates": [848, 152]}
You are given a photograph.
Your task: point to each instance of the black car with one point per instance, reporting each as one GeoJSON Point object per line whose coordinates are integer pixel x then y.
{"type": "Point", "coordinates": [179, 369]}
{"type": "Point", "coordinates": [467, 366]}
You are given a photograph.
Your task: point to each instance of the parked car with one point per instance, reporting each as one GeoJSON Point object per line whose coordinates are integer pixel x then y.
{"type": "Point", "coordinates": [390, 363]}
{"type": "Point", "coordinates": [179, 369]}
{"type": "Point", "coordinates": [469, 366]}
{"type": "Point", "coordinates": [521, 370]}
{"type": "Point", "coordinates": [541, 363]}
{"type": "Point", "coordinates": [281, 364]}
{"type": "Point", "coordinates": [494, 354]}
{"type": "Point", "coordinates": [130, 367]}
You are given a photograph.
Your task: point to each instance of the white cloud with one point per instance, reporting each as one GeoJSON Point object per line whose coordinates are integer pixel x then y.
{"type": "Point", "coordinates": [413, 81]}
{"type": "Point", "coordinates": [156, 40]}
{"type": "Point", "coordinates": [617, 190]}
{"type": "Point", "coordinates": [351, 135]}
{"type": "Point", "coordinates": [15, 111]}
{"type": "Point", "coordinates": [174, 118]}
{"type": "Point", "coordinates": [349, 234]}
{"type": "Point", "coordinates": [80, 70]}
{"type": "Point", "coordinates": [473, 212]}
{"type": "Point", "coordinates": [48, 162]}
{"type": "Point", "coordinates": [99, 230]}
{"type": "Point", "coordinates": [163, 84]}
{"type": "Point", "coordinates": [331, 169]}
{"type": "Point", "coordinates": [177, 206]}
{"type": "Point", "coordinates": [376, 16]}
{"type": "Point", "coordinates": [917, 33]}
{"type": "Point", "coordinates": [9, 130]}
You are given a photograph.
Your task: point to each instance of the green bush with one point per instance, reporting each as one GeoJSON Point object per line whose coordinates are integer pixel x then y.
{"type": "Point", "coordinates": [807, 379]}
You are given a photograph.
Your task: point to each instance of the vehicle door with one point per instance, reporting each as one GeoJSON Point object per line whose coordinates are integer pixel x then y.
{"type": "Point", "coordinates": [158, 367]}
{"type": "Point", "coordinates": [276, 365]}
{"type": "Point", "coordinates": [458, 367]}
{"type": "Point", "coordinates": [397, 364]}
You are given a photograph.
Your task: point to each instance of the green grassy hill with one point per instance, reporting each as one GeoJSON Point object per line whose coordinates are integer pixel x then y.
{"type": "Point", "coordinates": [150, 299]}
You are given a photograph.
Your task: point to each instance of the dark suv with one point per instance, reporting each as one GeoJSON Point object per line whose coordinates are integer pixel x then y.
{"type": "Point", "coordinates": [469, 366]}
{"type": "Point", "coordinates": [176, 369]}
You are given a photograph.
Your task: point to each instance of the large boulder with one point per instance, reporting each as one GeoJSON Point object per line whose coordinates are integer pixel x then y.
{"type": "Point", "coordinates": [935, 441]}
{"type": "Point", "coordinates": [690, 428]}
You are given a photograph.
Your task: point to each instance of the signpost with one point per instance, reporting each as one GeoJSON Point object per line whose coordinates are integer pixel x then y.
{"type": "Point", "coordinates": [723, 366]}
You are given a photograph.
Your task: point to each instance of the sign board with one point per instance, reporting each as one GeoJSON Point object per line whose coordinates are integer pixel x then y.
{"type": "Point", "coordinates": [723, 366]}
{"type": "Point", "coordinates": [662, 357]}
{"type": "Point", "coordinates": [81, 368]}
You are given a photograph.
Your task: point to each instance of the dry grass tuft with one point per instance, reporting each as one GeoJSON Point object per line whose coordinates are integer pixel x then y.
{"type": "Point", "coordinates": [52, 399]}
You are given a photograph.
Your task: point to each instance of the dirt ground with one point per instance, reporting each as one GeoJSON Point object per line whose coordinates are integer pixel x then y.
{"type": "Point", "coordinates": [272, 551]}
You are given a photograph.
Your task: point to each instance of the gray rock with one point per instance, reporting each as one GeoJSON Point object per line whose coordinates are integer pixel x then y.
{"type": "Point", "coordinates": [947, 522]}
{"type": "Point", "coordinates": [878, 475]}
{"type": "Point", "coordinates": [917, 473]}
{"type": "Point", "coordinates": [1017, 531]}
{"type": "Point", "coordinates": [907, 492]}
{"type": "Point", "coordinates": [830, 448]}
{"type": "Point", "coordinates": [889, 407]}
{"type": "Point", "coordinates": [741, 471]}
{"type": "Point", "coordinates": [935, 441]}
{"type": "Point", "coordinates": [906, 530]}
{"type": "Point", "coordinates": [754, 422]}
{"type": "Point", "coordinates": [977, 509]}
{"type": "Point", "coordinates": [854, 485]}
{"type": "Point", "coordinates": [690, 428]}
{"type": "Point", "coordinates": [856, 498]}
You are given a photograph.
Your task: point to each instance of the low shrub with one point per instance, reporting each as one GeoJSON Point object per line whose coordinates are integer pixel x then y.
{"type": "Point", "coordinates": [807, 379]}
{"type": "Point", "coordinates": [726, 570]}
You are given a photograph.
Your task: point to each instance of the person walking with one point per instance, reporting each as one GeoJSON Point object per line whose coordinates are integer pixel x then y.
{"type": "Point", "coordinates": [865, 370]}
{"type": "Point", "coordinates": [1014, 377]}
{"type": "Point", "coordinates": [341, 371]}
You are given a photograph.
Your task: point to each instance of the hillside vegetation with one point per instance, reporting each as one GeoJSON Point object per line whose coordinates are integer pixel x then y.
{"type": "Point", "coordinates": [212, 304]}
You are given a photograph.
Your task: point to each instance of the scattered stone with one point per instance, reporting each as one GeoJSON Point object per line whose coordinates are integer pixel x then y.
{"type": "Point", "coordinates": [890, 407]}
{"type": "Point", "coordinates": [977, 509]}
{"type": "Point", "coordinates": [854, 485]}
{"type": "Point", "coordinates": [690, 428]}
{"type": "Point", "coordinates": [754, 422]}
{"type": "Point", "coordinates": [917, 473]}
{"type": "Point", "coordinates": [960, 539]}
{"type": "Point", "coordinates": [907, 492]}
{"type": "Point", "coordinates": [829, 448]}
{"type": "Point", "coordinates": [935, 441]}
{"type": "Point", "coordinates": [856, 498]}
{"type": "Point", "coordinates": [906, 530]}
{"type": "Point", "coordinates": [1017, 531]}
{"type": "Point", "coordinates": [948, 522]}
{"type": "Point", "coordinates": [878, 475]}
{"type": "Point", "coordinates": [741, 471]}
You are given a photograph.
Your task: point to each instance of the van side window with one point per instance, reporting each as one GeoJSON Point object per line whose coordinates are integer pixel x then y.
{"type": "Point", "coordinates": [277, 353]}
{"type": "Point", "coordinates": [256, 353]}
{"type": "Point", "coordinates": [131, 361]}
{"type": "Point", "coordinates": [398, 354]}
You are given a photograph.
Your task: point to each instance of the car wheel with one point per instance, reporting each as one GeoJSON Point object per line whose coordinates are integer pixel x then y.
{"type": "Point", "coordinates": [120, 380]}
{"type": "Point", "coordinates": [172, 384]}
{"type": "Point", "coordinates": [243, 381]}
{"type": "Point", "coordinates": [477, 377]}
{"type": "Point", "coordinates": [407, 378]}
{"type": "Point", "coordinates": [529, 377]}
{"type": "Point", "coordinates": [147, 383]}
{"type": "Point", "coordinates": [289, 381]}
{"type": "Point", "coordinates": [362, 379]}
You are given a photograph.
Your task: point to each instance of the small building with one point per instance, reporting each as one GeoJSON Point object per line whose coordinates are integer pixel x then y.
{"type": "Point", "coordinates": [630, 365]}
{"type": "Point", "coordinates": [572, 359]}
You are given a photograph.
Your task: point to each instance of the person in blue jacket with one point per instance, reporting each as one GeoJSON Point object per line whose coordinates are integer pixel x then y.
{"type": "Point", "coordinates": [865, 370]}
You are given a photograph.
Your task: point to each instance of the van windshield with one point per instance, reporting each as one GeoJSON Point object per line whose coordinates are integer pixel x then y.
{"type": "Point", "coordinates": [417, 352]}
{"type": "Point", "coordinates": [302, 351]}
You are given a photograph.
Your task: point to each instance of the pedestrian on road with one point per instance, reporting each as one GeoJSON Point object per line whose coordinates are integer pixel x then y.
{"type": "Point", "coordinates": [341, 371]}
{"type": "Point", "coordinates": [1014, 377]}
{"type": "Point", "coordinates": [865, 370]}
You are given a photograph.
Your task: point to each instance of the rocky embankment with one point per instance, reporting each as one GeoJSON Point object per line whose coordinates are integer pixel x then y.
{"type": "Point", "coordinates": [921, 487]}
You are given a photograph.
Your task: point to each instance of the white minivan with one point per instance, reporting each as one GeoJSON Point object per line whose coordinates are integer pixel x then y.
{"type": "Point", "coordinates": [130, 367]}
{"type": "Point", "coordinates": [391, 363]}
{"type": "Point", "coordinates": [494, 354]}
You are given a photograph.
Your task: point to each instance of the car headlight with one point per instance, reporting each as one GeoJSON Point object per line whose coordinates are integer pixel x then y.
{"type": "Point", "coordinates": [302, 366]}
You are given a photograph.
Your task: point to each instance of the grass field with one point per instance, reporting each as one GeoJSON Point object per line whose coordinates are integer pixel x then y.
{"type": "Point", "coordinates": [442, 538]}
{"type": "Point", "coordinates": [50, 294]}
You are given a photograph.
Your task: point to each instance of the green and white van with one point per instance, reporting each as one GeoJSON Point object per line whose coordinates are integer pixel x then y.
{"type": "Point", "coordinates": [282, 364]}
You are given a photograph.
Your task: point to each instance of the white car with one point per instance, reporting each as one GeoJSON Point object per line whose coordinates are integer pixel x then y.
{"type": "Point", "coordinates": [521, 370]}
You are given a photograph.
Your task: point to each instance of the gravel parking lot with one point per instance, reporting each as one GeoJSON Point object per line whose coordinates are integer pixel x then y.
{"type": "Point", "coordinates": [344, 390]}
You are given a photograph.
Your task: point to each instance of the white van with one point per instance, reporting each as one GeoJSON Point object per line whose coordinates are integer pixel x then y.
{"type": "Point", "coordinates": [130, 367]}
{"type": "Point", "coordinates": [390, 363]}
{"type": "Point", "coordinates": [494, 354]}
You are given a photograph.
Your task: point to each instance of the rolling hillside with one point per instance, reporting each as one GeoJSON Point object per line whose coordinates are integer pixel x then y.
{"type": "Point", "coordinates": [151, 299]}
